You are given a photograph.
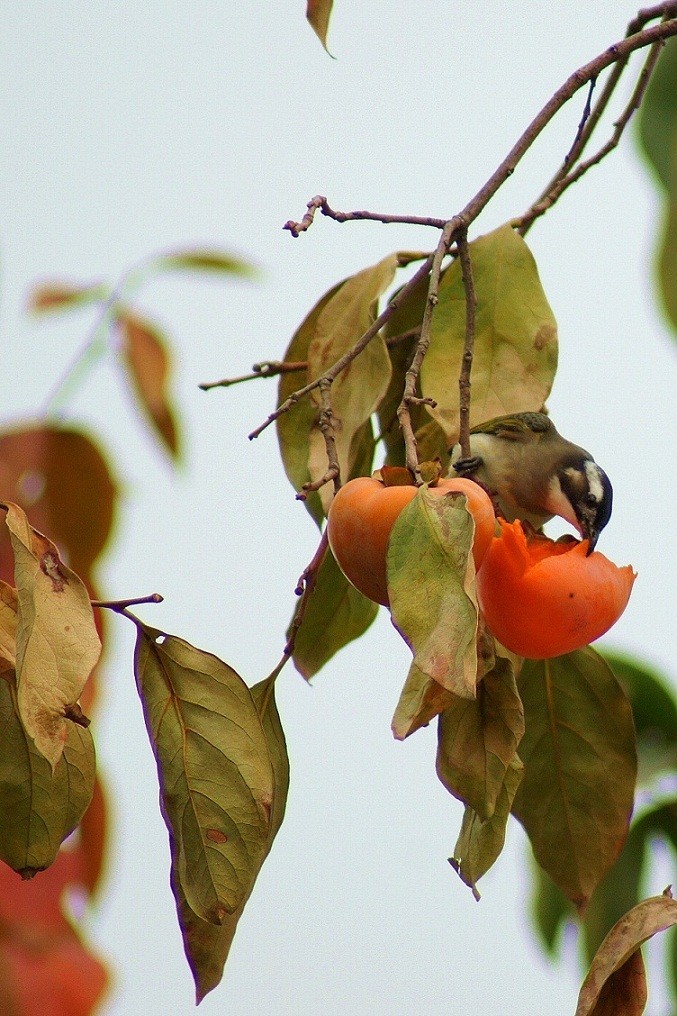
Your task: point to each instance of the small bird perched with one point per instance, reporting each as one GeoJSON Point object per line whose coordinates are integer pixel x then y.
{"type": "Point", "coordinates": [533, 473]}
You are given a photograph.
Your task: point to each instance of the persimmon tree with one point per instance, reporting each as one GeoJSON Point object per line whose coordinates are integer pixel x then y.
{"type": "Point", "coordinates": [390, 368]}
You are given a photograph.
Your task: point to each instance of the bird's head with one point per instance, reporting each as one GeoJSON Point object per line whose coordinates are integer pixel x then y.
{"type": "Point", "coordinates": [581, 493]}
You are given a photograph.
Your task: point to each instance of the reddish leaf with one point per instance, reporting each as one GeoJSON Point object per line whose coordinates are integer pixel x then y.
{"type": "Point", "coordinates": [92, 839]}
{"type": "Point", "coordinates": [318, 13]}
{"type": "Point", "coordinates": [146, 359]}
{"type": "Point", "coordinates": [62, 481]}
{"type": "Point", "coordinates": [64, 295]}
{"type": "Point", "coordinates": [45, 968]}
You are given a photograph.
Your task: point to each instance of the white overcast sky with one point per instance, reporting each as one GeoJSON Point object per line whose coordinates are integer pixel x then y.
{"type": "Point", "coordinates": [130, 128]}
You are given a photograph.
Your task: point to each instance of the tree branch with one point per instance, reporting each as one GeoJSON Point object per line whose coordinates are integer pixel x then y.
{"type": "Point", "coordinates": [321, 203]}
{"type": "Point", "coordinates": [469, 344]}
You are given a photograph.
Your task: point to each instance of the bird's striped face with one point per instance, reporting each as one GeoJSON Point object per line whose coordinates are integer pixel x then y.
{"type": "Point", "coordinates": [584, 497]}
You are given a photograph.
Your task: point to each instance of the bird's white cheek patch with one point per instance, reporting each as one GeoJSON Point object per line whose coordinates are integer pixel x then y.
{"type": "Point", "coordinates": [594, 481]}
{"type": "Point", "coordinates": [558, 503]}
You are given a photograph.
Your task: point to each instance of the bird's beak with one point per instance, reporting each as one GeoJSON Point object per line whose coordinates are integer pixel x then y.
{"type": "Point", "coordinates": [591, 534]}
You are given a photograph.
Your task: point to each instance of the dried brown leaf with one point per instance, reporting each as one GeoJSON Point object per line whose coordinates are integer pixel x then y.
{"type": "Point", "coordinates": [615, 984]}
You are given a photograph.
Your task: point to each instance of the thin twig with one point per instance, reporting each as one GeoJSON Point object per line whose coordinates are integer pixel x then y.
{"type": "Point", "coordinates": [267, 368]}
{"type": "Point", "coordinates": [412, 375]}
{"type": "Point", "coordinates": [587, 109]}
{"type": "Point", "coordinates": [120, 606]}
{"type": "Point", "coordinates": [469, 344]}
{"type": "Point", "coordinates": [326, 425]}
{"type": "Point", "coordinates": [321, 203]}
{"type": "Point", "coordinates": [560, 184]}
{"type": "Point", "coordinates": [348, 357]}
{"type": "Point", "coordinates": [580, 78]}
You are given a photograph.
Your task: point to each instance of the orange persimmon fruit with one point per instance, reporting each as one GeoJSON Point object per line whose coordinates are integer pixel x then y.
{"type": "Point", "coordinates": [542, 598]}
{"type": "Point", "coordinates": [363, 513]}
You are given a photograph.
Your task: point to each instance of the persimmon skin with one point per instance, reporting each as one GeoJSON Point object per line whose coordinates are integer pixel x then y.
{"type": "Point", "coordinates": [361, 518]}
{"type": "Point", "coordinates": [542, 598]}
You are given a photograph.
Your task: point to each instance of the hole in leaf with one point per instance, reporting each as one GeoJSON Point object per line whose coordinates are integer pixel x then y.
{"type": "Point", "coordinates": [31, 486]}
{"type": "Point", "coordinates": [160, 639]}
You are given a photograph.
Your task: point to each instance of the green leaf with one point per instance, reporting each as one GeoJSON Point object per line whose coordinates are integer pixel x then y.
{"type": "Point", "coordinates": [654, 711]}
{"type": "Point", "coordinates": [550, 909]}
{"type": "Point", "coordinates": [207, 260]}
{"type": "Point", "coordinates": [658, 117]}
{"type": "Point", "coordinates": [478, 739]}
{"type": "Point", "coordinates": [579, 752]}
{"type": "Point", "coordinates": [481, 841]}
{"type": "Point", "coordinates": [358, 390]}
{"type": "Point", "coordinates": [216, 776]}
{"type": "Point", "coordinates": [206, 945]}
{"type": "Point", "coordinates": [39, 806]}
{"type": "Point", "coordinates": [667, 259]}
{"type": "Point", "coordinates": [431, 591]}
{"type": "Point", "coordinates": [515, 335]}
{"type": "Point", "coordinates": [294, 427]}
{"type": "Point", "coordinates": [617, 893]}
{"type": "Point", "coordinates": [318, 13]}
{"type": "Point", "coordinates": [336, 613]}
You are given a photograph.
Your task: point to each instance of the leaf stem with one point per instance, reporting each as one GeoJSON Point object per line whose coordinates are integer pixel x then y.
{"type": "Point", "coordinates": [120, 606]}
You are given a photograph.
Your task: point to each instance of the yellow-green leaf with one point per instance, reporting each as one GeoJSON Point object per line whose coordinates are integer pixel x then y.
{"type": "Point", "coordinates": [207, 260]}
{"type": "Point", "coordinates": [358, 390]}
{"type": "Point", "coordinates": [579, 752]}
{"type": "Point", "coordinates": [9, 607]}
{"type": "Point", "coordinates": [616, 983]}
{"type": "Point", "coordinates": [57, 645]}
{"type": "Point", "coordinates": [481, 841]}
{"type": "Point", "coordinates": [431, 578]}
{"type": "Point", "coordinates": [216, 776]}
{"type": "Point", "coordinates": [336, 614]}
{"type": "Point", "coordinates": [207, 945]}
{"type": "Point", "coordinates": [318, 13]}
{"type": "Point", "coordinates": [145, 356]}
{"type": "Point", "coordinates": [478, 739]}
{"type": "Point", "coordinates": [420, 701]}
{"type": "Point", "coordinates": [294, 427]}
{"type": "Point", "coordinates": [39, 805]}
{"type": "Point", "coordinates": [515, 335]}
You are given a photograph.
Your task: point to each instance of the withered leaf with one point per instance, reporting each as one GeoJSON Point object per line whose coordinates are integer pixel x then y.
{"type": "Point", "coordinates": [615, 984]}
{"type": "Point", "coordinates": [318, 13]}
{"type": "Point", "coordinates": [57, 645]}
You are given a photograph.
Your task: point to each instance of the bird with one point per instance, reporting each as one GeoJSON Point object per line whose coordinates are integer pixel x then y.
{"type": "Point", "coordinates": [533, 474]}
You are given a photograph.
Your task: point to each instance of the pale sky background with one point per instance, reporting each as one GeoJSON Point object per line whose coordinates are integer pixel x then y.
{"type": "Point", "coordinates": [131, 128]}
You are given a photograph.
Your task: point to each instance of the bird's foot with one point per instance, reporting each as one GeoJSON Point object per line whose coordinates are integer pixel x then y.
{"type": "Point", "coordinates": [465, 467]}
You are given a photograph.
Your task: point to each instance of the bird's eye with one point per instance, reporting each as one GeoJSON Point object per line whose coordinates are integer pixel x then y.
{"type": "Point", "coordinates": [591, 500]}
